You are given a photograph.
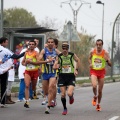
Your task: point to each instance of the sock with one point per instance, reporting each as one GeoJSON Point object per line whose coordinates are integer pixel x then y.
{"type": "Point", "coordinates": [71, 97]}
{"type": "Point", "coordinates": [63, 100]}
{"type": "Point", "coordinates": [48, 107]}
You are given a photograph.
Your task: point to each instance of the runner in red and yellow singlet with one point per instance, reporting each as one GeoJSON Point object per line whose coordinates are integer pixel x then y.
{"type": "Point", "coordinates": [98, 58]}
{"type": "Point", "coordinates": [32, 62]}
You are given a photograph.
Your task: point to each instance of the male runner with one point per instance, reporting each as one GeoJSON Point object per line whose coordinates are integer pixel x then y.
{"type": "Point", "coordinates": [97, 59]}
{"type": "Point", "coordinates": [67, 73]}
{"type": "Point", "coordinates": [49, 75]}
{"type": "Point", "coordinates": [31, 72]}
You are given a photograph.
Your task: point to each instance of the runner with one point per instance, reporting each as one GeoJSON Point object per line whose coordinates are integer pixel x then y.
{"type": "Point", "coordinates": [54, 102]}
{"type": "Point", "coordinates": [97, 60]}
{"type": "Point", "coordinates": [31, 72]}
{"type": "Point", "coordinates": [67, 73]}
{"type": "Point", "coordinates": [49, 75]}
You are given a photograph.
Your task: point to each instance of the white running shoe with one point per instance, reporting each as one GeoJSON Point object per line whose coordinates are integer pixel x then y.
{"type": "Point", "coordinates": [44, 102]}
{"type": "Point", "coordinates": [3, 105]}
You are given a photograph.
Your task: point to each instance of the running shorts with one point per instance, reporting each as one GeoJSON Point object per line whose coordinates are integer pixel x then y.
{"type": "Point", "coordinates": [66, 79]}
{"type": "Point", "coordinates": [98, 73]}
{"type": "Point", "coordinates": [33, 74]}
{"type": "Point", "coordinates": [47, 76]}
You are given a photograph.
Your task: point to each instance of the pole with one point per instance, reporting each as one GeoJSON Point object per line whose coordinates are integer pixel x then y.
{"type": "Point", "coordinates": [103, 23]}
{"type": "Point", "coordinates": [1, 19]}
{"type": "Point", "coordinates": [75, 12]}
{"type": "Point", "coordinates": [69, 24]}
{"type": "Point", "coordinates": [113, 46]}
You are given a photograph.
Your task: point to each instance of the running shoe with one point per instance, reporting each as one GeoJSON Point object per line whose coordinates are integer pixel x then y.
{"type": "Point", "coordinates": [19, 100]}
{"type": "Point", "coordinates": [47, 111]}
{"type": "Point", "coordinates": [64, 112]}
{"type": "Point", "coordinates": [94, 101]}
{"type": "Point", "coordinates": [53, 103]}
{"type": "Point", "coordinates": [71, 100]}
{"type": "Point", "coordinates": [44, 102]}
{"type": "Point", "coordinates": [35, 97]}
{"type": "Point", "coordinates": [98, 108]}
{"type": "Point", "coordinates": [26, 104]}
{"type": "Point", "coordinates": [3, 105]}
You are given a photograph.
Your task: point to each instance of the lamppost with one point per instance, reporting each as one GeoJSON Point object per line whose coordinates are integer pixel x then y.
{"type": "Point", "coordinates": [1, 18]}
{"type": "Point", "coordinates": [99, 2]}
{"type": "Point", "coordinates": [112, 60]}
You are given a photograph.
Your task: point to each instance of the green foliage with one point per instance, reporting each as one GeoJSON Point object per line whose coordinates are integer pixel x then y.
{"type": "Point", "coordinates": [18, 17]}
{"type": "Point", "coordinates": [83, 81]}
{"type": "Point", "coordinates": [107, 80]}
{"type": "Point", "coordinates": [82, 50]}
{"type": "Point", "coordinates": [52, 24]}
{"type": "Point", "coordinates": [15, 89]}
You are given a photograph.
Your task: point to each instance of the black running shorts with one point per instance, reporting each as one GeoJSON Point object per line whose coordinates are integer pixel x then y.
{"type": "Point", "coordinates": [66, 79]}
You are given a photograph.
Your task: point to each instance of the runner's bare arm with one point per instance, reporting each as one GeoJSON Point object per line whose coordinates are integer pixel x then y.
{"type": "Point", "coordinates": [58, 52]}
{"type": "Point", "coordinates": [77, 60]}
{"type": "Point", "coordinates": [107, 58]}
{"type": "Point", "coordinates": [24, 60]}
{"type": "Point", "coordinates": [56, 65]}
{"type": "Point", "coordinates": [39, 59]}
{"type": "Point", "coordinates": [89, 59]}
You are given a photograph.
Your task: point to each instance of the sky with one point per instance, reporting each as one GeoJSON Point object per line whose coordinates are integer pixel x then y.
{"type": "Point", "coordinates": [90, 18]}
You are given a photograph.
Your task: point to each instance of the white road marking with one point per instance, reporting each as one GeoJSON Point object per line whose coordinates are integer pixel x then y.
{"type": "Point", "coordinates": [114, 118]}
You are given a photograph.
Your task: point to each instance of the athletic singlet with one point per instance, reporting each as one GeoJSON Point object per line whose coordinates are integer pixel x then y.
{"type": "Point", "coordinates": [66, 63]}
{"type": "Point", "coordinates": [32, 57]}
{"type": "Point", "coordinates": [48, 67]}
{"type": "Point", "coordinates": [98, 61]}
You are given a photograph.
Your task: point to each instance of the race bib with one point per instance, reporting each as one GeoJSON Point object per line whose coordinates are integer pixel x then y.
{"type": "Point", "coordinates": [51, 63]}
{"type": "Point", "coordinates": [97, 65]}
{"type": "Point", "coordinates": [66, 69]}
{"type": "Point", "coordinates": [30, 66]}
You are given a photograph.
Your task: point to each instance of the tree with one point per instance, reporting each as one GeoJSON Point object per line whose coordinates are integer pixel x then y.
{"type": "Point", "coordinates": [51, 24]}
{"type": "Point", "coordinates": [18, 17]}
{"type": "Point", "coordinates": [82, 49]}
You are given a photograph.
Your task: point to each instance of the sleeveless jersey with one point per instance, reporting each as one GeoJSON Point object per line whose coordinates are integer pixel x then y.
{"type": "Point", "coordinates": [66, 63]}
{"type": "Point", "coordinates": [48, 67]}
{"type": "Point", "coordinates": [32, 57]}
{"type": "Point", "coordinates": [98, 61]}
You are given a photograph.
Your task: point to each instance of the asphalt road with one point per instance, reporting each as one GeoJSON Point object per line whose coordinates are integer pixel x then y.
{"type": "Point", "coordinates": [80, 110]}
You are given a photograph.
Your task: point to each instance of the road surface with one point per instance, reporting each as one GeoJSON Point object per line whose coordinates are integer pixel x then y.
{"type": "Point", "coordinates": [80, 110]}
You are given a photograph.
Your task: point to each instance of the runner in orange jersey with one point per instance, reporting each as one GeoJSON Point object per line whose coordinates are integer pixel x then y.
{"type": "Point", "coordinates": [98, 58]}
{"type": "Point", "coordinates": [32, 71]}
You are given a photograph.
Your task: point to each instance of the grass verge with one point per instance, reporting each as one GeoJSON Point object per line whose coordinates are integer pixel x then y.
{"type": "Point", "coordinates": [15, 89]}
{"type": "Point", "coordinates": [108, 79]}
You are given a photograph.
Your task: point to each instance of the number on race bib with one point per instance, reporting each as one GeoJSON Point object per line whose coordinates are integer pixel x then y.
{"type": "Point", "coordinates": [66, 69]}
{"type": "Point", "coordinates": [97, 65]}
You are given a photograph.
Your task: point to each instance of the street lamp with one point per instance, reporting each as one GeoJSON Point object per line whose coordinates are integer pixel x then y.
{"type": "Point", "coordinates": [99, 2]}
{"type": "Point", "coordinates": [1, 18]}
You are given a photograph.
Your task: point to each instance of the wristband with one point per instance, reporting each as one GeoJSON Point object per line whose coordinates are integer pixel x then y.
{"type": "Point", "coordinates": [77, 69]}
{"type": "Point", "coordinates": [107, 61]}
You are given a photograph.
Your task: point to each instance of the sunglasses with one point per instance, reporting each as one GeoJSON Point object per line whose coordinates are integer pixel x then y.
{"type": "Point", "coordinates": [65, 48]}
